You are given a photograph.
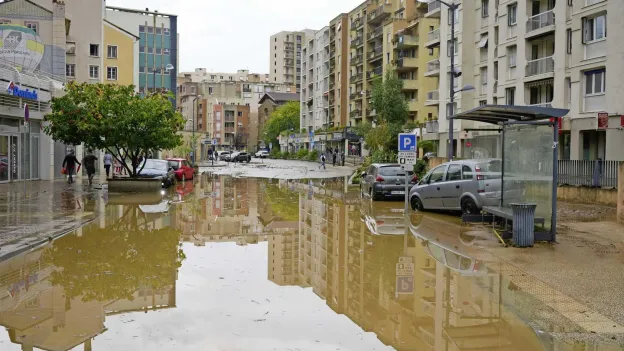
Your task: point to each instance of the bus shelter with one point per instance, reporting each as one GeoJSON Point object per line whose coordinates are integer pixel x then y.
{"type": "Point", "coordinates": [528, 168]}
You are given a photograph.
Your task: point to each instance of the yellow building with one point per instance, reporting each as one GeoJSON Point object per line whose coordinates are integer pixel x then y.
{"type": "Point", "coordinates": [121, 55]}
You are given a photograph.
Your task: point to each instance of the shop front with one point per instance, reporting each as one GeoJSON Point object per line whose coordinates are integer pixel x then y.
{"type": "Point", "coordinates": [19, 150]}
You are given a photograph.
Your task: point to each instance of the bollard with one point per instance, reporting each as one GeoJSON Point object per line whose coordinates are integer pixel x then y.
{"type": "Point", "coordinates": [523, 224]}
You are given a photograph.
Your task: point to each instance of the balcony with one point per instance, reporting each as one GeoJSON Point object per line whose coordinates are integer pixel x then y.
{"type": "Point", "coordinates": [433, 9]}
{"type": "Point", "coordinates": [433, 38]}
{"type": "Point", "coordinates": [357, 23]}
{"type": "Point", "coordinates": [540, 24]}
{"type": "Point", "coordinates": [229, 130]}
{"type": "Point", "coordinates": [410, 84]}
{"type": "Point", "coordinates": [356, 78]}
{"type": "Point", "coordinates": [406, 63]}
{"type": "Point", "coordinates": [371, 113]}
{"type": "Point", "coordinates": [376, 72]}
{"type": "Point", "coordinates": [405, 41]}
{"type": "Point", "coordinates": [412, 105]}
{"type": "Point", "coordinates": [357, 60]}
{"type": "Point", "coordinates": [289, 47]}
{"type": "Point", "coordinates": [374, 34]}
{"type": "Point", "coordinates": [375, 54]}
{"type": "Point", "coordinates": [289, 55]}
{"type": "Point", "coordinates": [433, 98]}
{"type": "Point", "coordinates": [357, 42]}
{"type": "Point", "coordinates": [356, 96]}
{"type": "Point", "coordinates": [545, 65]}
{"type": "Point", "coordinates": [433, 68]}
{"type": "Point", "coordinates": [379, 14]}
{"type": "Point", "coordinates": [357, 114]}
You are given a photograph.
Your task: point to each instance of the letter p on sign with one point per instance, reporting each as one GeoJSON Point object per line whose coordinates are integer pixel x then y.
{"type": "Point", "coordinates": [407, 142]}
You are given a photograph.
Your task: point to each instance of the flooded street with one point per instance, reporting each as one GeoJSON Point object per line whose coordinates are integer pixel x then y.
{"type": "Point", "coordinates": [249, 264]}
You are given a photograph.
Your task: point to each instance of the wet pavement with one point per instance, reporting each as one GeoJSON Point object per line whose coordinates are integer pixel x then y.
{"type": "Point", "coordinates": [249, 264]}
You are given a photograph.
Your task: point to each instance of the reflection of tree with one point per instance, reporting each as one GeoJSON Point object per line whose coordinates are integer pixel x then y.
{"type": "Point", "coordinates": [283, 201]}
{"type": "Point", "coordinates": [112, 263]}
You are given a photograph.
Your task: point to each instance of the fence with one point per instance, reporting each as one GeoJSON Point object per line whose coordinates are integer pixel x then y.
{"type": "Point", "coordinates": [603, 174]}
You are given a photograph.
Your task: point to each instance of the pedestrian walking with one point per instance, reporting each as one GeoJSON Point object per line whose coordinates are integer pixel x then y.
{"type": "Point", "coordinates": [108, 162]}
{"type": "Point", "coordinates": [89, 162]}
{"type": "Point", "coordinates": [322, 162]}
{"type": "Point", "coordinates": [69, 163]}
{"type": "Point", "coordinates": [342, 157]}
{"type": "Point", "coordinates": [597, 175]}
{"type": "Point", "coordinates": [334, 157]}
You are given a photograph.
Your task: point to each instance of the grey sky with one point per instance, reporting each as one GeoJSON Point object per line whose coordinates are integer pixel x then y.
{"type": "Point", "coordinates": [226, 35]}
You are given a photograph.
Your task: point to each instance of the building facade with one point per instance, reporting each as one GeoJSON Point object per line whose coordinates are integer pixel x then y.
{"type": "Point", "coordinates": [269, 103]}
{"type": "Point", "coordinates": [158, 45]}
{"type": "Point", "coordinates": [121, 62]}
{"type": "Point", "coordinates": [314, 77]}
{"type": "Point", "coordinates": [285, 58]}
{"type": "Point", "coordinates": [339, 71]}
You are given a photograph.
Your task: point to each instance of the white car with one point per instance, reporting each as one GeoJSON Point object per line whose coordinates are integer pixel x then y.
{"type": "Point", "coordinates": [262, 154]}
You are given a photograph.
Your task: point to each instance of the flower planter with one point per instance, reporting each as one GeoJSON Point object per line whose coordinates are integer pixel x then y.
{"type": "Point", "coordinates": [134, 185]}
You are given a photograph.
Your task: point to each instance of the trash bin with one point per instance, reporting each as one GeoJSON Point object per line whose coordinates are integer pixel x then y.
{"type": "Point", "coordinates": [523, 223]}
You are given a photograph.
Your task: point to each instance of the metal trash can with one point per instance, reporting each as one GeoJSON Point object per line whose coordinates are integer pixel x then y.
{"type": "Point", "coordinates": [523, 223]}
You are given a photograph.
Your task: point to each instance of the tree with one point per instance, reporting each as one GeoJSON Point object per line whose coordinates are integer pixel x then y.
{"type": "Point", "coordinates": [117, 119]}
{"type": "Point", "coordinates": [284, 118]}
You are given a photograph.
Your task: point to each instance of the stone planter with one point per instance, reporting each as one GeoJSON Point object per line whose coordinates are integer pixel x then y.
{"type": "Point", "coordinates": [134, 185]}
{"type": "Point", "coordinates": [148, 198]}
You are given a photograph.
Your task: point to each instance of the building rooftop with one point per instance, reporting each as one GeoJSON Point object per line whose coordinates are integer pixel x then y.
{"type": "Point", "coordinates": [280, 97]}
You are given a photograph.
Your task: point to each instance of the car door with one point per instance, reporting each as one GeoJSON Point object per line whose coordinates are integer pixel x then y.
{"type": "Point", "coordinates": [369, 179]}
{"type": "Point", "coordinates": [187, 169]}
{"type": "Point", "coordinates": [451, 187]}
{"type": "Point", "coordinates": [432, 198]}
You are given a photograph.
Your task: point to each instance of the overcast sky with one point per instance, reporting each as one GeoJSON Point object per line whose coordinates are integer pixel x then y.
{"type": "Point", "coordinates": [226, 35]}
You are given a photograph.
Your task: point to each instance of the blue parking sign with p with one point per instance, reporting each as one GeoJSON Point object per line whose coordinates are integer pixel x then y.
{"type": "Point", "coordinates": [407, 142]}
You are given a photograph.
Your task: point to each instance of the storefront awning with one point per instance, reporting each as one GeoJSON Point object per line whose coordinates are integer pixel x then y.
{"type": "Point", "coordinates": [495, 114]}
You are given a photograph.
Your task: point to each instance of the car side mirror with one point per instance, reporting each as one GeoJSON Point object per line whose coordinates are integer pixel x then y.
{"type": "Point", "coordinates": [364, 174]}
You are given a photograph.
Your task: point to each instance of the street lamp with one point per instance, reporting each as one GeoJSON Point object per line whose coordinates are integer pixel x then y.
{"type": "Point", "coordinates": [168, 68]}
{"type": "Point", "coordinates": [193, 137]}
{"type": "Point", "coordinates": [453, 7]}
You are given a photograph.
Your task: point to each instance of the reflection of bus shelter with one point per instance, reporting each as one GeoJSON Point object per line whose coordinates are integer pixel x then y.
{"type": "Point", "coordinates": [530, 137]}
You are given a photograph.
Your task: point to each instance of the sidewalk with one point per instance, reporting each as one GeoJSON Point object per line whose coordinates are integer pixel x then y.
{"type": "Point", "coordinates": [43, 211]}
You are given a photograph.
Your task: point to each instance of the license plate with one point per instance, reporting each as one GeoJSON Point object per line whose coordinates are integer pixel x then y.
{"type": "Point", "coordinates": [397, 192]}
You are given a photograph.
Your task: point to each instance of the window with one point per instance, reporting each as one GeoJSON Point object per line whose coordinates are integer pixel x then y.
{"type": "Point", "coordinates": [141, 49]}
{"type": "Point", "coordinates": [94, 50]}
{"type": "Point", "coordinates": [111, 73]}
{"type": "Point", "coordinates": [159, 31]}
{"type": "Point", "coordinates": [595, 82]}
{"type": "Point", "coordinates": [210, 90]}
{"type": "Point", "coordinates": [482, 102]}
{"type": "Point", "coordinates": [466, 172]}
{"type": "Point", "coordinates": [437, 174]}
{"type": "Point", "coordinates": [484, 8]}
{"type": "Point", "coordinates": [510, 96]}
{"type": "Point", "coordinates": [512, 15]}
{"type": "Point", "coordinates": [594, 28]}
{"type": "Point", "coordinates": [4, 21]}
{"type": "Point", "coordinates": [70, 70]}
{"type": "Point", "coordinates": [569, 40]}
{"type": "Point", "coordinates": [141, 29]}
{"type": "Point", "coordinates": [166, 51]}
{"type": "Point", "coordinates": [512, 53]}
{"type": "Point", "coordinates": [112, 51]}
{"type": "Point", "coordinates": [455, 46]}
{"type": "Point", "coordinates": [150, 50]}
{"type": "Point", "coordinates": [158, 51]}
{"type": "Point", "coordinates": [94, 72]}
{"type": "Point", "coordinates": [167, 31]}
{"type": "Point", "coordinates": [454, 172]}
{"type": "Point", "coordinates": [240, 114]}
{"type": "Point", "coordinates": [32, 25]}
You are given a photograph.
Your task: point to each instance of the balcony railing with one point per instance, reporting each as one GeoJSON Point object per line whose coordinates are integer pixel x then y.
{"type": "Point", "coordinates": [380, 13]}
{"type": "Point", "coordinates": [433, 65]}
{"type": "Point", "coordinates": [375, 53]}
{"type": "Point", "coordinates": [357, 41]}
{"type": "Point", "coordinates": [375, 33]}
{"type": "Point", "coordinates": [548, 105]}
{"type": "Point", "coordinates": [377, 71]}
{"type": "Point", "coordinates": [357, 23]}
{"type": "Point", "coordinates": [356, 77]}
{"type": "Point", "coordinates": [540, 21]}
{"type": "Point", "coordinates": [434, 35]}
{"type": "Point", "coordinates": [433, 96]}
{"type": "Point", "coordinates": [540, 66]}
{"type": "Point", "coordinates": [357, 60]}
{"type": "Point", "coordinates": [433, 5]}
{"type": "Point", "coordinates": [355, 113]}
{"type": "Point", "coordinates": [402, 41]}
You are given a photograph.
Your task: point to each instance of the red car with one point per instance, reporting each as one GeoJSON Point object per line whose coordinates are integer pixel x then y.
{"type": "Point", "coordinates": [182, 168]}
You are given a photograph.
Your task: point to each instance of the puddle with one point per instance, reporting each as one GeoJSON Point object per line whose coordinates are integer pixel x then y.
{"type": "Point", "coordinates": [246, 264]}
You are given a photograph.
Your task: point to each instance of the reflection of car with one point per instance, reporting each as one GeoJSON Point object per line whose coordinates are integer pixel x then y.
{"type": "Point", "coordinates": [429, 155]}
{"type": "Point", "coordinates": [385, 180]}
{"type": "Point", "coordinates": [224, 155]}
{"type": "Point", "coordinates": [158, 169]}
{"type": "Point", "coordinates": [240, 157]}
{"type": "Point", "coordinates": [182, 168]}
{"type": "Point", "coordinates": [262, 154]}
{"type": "Point", "coordinates": [383, 218]}
{"type": "Point", "coordinates": [466, 185]}
{"type": "Point", "coordinates": [184, 189]}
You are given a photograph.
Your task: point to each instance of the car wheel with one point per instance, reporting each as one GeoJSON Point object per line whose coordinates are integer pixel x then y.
{"type": "Point", "coordinates": [468, 206]}
{"type": "Point", "coordinates": [416, 204]}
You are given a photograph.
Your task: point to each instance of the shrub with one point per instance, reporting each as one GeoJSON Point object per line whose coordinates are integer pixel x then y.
{"type": "Point", "coordinates": [301, 154]}
{"type": "Point", "coordinates": [420, 168]}
{"type": "Point", "coordinates": [285, 155]}
{"type": "Point", "coordinates": [275, 153]}
{"type": "Point", "coordinates": [313, 155]}
{"type": "Point", "coordinates": [383, 156]}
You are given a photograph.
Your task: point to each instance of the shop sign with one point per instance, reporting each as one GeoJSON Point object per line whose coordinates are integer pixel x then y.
{"type": "Point", "coordinates": [15, 90]}
{"type": "Point", "coordinates": [337, 136]}
{"type": "Point", "coordinates": [603, 120]}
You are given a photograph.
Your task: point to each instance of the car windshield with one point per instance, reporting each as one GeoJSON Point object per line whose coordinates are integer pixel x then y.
{"type": "Point", "coordinates": [155, 165]}
{"type": "Point", "coordinates": [174, 164]}
{"type": "Point", "coordinates": [393, 171]}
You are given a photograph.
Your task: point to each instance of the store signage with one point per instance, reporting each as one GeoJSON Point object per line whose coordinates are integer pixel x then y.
{"type": "Point", "coordinates": [603, 120]}
{"type": "Point", "coordinates": [15, 90]}
{"type": "Point", "coordinates": [621, 121]}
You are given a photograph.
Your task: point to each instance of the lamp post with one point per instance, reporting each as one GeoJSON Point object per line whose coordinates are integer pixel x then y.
{"type": "Point", "coordinates": [453, 7]}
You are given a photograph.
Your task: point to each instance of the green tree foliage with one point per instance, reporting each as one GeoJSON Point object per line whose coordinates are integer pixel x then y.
{"type": "Point", "coordinates": [284, 118]}
{"type": "Point", "coordinates": [115, 118]}
{"type": "Point", "coordinates": [427, 145]}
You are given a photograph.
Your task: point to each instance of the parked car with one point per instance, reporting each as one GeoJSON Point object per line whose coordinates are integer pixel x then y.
{"type": "Point", "coordinates": [465, 185]}
{"type": "Point", "coordinates": [385, 180]}
{"type": "Point", "coordinates": [224, 155]}
{"type": "Point", "coordinates": [182, 168]}
{"type": "Point", "coordinates": [429, 155]}
{"type": "Point", "coordinates": [159, 169]}
{"type": "Point", "coordinates": [241, 157]}
{"type": "Point", "coordinates": [262, 154]}
{"type": "Point", "coordinates": [383, 218]}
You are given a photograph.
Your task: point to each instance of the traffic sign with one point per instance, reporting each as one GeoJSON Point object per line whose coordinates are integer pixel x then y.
{"type": "Point", "coordinates": [407, 158]}
{"type": "Point", "coordinates": [405, 285]}
{"type": "Point", "coordinates": [407, 142]}
{"type": "Point", "coordinates": [406, 259]}
{"type": "Point", "coordinates": [405, 269]}
{"type": "Point", "coordinates": [214, 141]}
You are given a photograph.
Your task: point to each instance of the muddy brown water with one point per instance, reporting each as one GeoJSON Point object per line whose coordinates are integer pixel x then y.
{"type": "Point", "coordinates": [246, 264]}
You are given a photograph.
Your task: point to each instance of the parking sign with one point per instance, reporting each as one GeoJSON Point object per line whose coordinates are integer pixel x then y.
{"type": "Point", "coordinates": [405, 285]}
{"type": "Point", "coordinates": [407, 142]}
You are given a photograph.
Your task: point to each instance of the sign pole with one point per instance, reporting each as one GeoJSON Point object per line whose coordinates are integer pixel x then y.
{"type": "Point", "coordinates": [26, 140]}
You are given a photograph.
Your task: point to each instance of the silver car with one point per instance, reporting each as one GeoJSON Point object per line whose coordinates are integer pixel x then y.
{"type": "Point", "coordinates": [385, 180]}
{"type": "Point", "coordinates": [465, 185]}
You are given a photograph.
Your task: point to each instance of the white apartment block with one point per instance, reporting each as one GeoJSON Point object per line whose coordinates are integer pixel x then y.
{"type": "Point", "coordinates": [285, 58]}
{"type": "Point", "coordinates": [315, 82]}
{"type": "Point", "coordinates": [551, 53]}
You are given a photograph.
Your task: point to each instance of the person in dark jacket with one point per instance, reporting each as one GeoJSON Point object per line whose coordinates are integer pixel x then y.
{"type": "Point", "coordinates": [89, 162]}
{"type": "Point", "coordinates": [69, 163]}
{"type": "Point", "coordinates": [334, 157]}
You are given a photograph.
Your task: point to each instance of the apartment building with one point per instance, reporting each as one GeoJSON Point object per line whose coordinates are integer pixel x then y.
{"type": "Point", "coordinates": [315, 82]}
{"type": "Point", "coordinates": [358, 87]}
{"type": "Point", "coordinates": [536, 53]}
{"type": "Point", "coordinates": [121, 61]}
{"type": "Point", "coordinates": [339, 71]}
{"type": "Point", "coordinates": [285, 57]}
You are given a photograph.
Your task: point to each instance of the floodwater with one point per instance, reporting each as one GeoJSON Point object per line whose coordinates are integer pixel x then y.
{"type": "Point", "coordinates": [247, 264]}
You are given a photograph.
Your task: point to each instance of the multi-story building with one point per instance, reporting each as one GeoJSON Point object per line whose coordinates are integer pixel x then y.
{"type": "Point", "coordinates": [230, 126]}
{"type": "Point", "coordinates": [338, 70]}
{"type": "Point", "coordinates": [121, 60]}
{"type": "Point", "coordinates": [315, 82]}
{"type": "Point", "coordinates": [269, 103]}
{"type": "Point", "coordinates": [158, 45]}
{"type": "Point", "coordinates": [358, 87]}
{"type": "Point", "coordinates": [285, 59]}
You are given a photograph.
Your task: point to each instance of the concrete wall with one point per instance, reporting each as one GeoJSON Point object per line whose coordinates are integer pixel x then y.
{"type": "Point", "coordinates": [588, 195]}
